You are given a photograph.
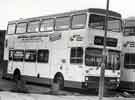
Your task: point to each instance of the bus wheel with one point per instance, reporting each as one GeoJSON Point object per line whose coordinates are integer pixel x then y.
{"type": "Point", "coordinates": [59, 81]}
{"type": "Point", "coordinates": [16, 75]}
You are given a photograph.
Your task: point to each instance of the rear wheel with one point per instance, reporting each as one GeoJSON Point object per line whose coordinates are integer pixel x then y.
{"type": "Point", "coordinates": [19, 82]}
{"type": "Point", "coordinates": [16, 76]}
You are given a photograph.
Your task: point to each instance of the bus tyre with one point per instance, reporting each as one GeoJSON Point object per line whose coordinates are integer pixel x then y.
{"type": "Point", "coordinates": [16, 76]}
{"type": "Point", "coordinates": [58, 82]}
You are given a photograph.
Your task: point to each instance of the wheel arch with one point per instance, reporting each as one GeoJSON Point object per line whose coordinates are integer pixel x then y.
{"type": "Point", "coordinates": [58, 73]}
{"type": "Point", "coordinates": [18, 72]}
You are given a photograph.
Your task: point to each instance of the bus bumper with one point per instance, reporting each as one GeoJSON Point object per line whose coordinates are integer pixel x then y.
{"type": "Point", "coordinates": [93, 82]}
{"type": "Point", "coordinates": [127, 86]}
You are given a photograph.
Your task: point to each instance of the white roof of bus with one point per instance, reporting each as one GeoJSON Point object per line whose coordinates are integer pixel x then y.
{"type": "Point", "coordinates": [93, 10]}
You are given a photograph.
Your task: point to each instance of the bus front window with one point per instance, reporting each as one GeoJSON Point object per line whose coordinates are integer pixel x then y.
{"type": "Point", "coordinates": [129, 61]}
{"type": "Point", "coordinates": [129, 28]}
{"type": "Point", "coordinates": [113, 60]}
{"type": "Point", "coordinates": [98, 22]}
{"type": "Point", "coordinates": [93, 57]}
{"type": "Point", "coordinates": [129, 31]}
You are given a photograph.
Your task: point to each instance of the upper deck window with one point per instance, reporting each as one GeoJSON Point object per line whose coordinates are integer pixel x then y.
{"type": "Point", "coordinates": [47, 25]}
{"type": "Point", "coordinates": [98, 22]}
{"type": "Point", "coordinates": [62, 23]}
{"type": "Point", "coordinates": [33, 26]}
{"type": "Point", "coordinates": [129, 28]}
{"type": "Point", "coordinates": [79, 21]}
{"type": "Point", "coordinates": [21, 28]}
{"type": "Point", "coordinates": [11, 28]}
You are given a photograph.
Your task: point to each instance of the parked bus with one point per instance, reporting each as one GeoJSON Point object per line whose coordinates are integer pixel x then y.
{"type": "Point", "coordinates": [127, 77]}
{"type": "Point", "coordinates": [64, 48]}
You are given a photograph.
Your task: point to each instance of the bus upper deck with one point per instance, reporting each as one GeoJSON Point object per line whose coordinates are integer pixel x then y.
{"type": "Point", "coordinates": [91, 22]}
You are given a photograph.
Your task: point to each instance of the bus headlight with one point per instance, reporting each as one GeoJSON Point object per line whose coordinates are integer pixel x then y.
{"type": "Point", "coordinates": [118, 79]}
{"type": "Point", "coordinates": [86, 78]}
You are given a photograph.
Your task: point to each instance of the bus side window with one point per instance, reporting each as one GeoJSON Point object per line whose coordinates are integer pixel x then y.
{"type": "Point", "coordinates": [78, 21]}
{"type": "Point", "coordinates": [43, 56]}
{"type": "Point", "coordinates": [62, 23]}
{"type": "Point", "coordinates": [47, 25]}
{"type": "Point", "coordinates": [18, 55]}
{"type": "Point", "coordinates": [10, 57]}
{"type": "Point", "coordinates": [11, 28]}
{"type": "Point", "coordinates": [21, 27]}
{"type": "Point", "coordinates": [33, 26]}
{"type": "Point", "coordinates": [30, 56]}
{"type": "Point", "coordinates": [76, 55]}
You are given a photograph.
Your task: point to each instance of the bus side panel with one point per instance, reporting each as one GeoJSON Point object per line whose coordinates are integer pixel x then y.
{"type": "Point", "coordinates": [127, 86]}
{"type": "Point", "coordinates": [128, 75]}
{"type": "Point", "coordinates": [127, 80]}
{"type": "Point", "coordinates": [61, 63]}
{"type": "Point", "coordinates": [58, 62]}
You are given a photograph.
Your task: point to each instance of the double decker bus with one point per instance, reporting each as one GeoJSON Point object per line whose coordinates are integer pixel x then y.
{"type": "Point", "coordinates": [64, 48]}
{"type": "Point", "coordinates": [127, 77]}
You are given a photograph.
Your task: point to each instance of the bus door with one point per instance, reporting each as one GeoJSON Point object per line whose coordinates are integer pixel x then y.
{"type": "Point", "coordinates": [113, 63]}
{"type": "Point", "coordinates": [75, 71]}
{"type": "Point", "coordinates": [30, 62]}
{"type": "Point", "coordinates": [59, 62]}
{"type": "Point", "coordinates": [43, 68]}
{"type": "Point", "coordinates": [93, 60]}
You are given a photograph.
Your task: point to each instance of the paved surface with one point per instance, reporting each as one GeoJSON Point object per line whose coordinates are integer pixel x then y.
{"type": "Point", "coordinates": [9, 91]}
{"type": "Point", "coordinates": [21, 96]}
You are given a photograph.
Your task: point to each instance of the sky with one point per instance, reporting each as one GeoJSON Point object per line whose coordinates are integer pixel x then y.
{"type": "Point", "coordinates": [16, 9]}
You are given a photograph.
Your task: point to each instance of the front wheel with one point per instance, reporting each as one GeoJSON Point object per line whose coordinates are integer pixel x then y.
{"type": "Point", "coordinates": [59, 81]}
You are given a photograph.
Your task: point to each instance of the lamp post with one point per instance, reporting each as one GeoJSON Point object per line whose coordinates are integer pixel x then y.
{"type": "Point", "coordinates": [103, 65]}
